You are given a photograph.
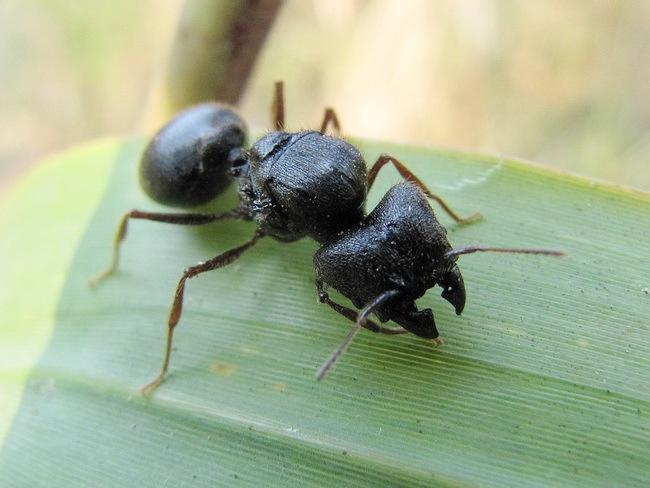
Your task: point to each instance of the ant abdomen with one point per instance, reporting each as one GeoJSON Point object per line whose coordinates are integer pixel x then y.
{"type": "Point", "coordinates": [188, 161]}
{"type": "Point", "coordinates": [399, 246]}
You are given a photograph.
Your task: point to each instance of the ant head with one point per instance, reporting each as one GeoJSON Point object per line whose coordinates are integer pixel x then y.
{"type": "Point", "coordinates": [186, 162]}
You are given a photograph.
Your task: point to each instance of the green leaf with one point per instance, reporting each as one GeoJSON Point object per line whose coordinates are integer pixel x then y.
{"type": "Point", "coordinates": [544, 380]}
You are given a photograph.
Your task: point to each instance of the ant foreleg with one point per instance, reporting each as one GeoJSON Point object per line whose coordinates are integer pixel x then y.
{"type": "Point", "coordinates": [277, 107]}
{"type": "Point", "coordinates": [361, 321]}
{"type": "Point", "coordinates": [329, 117]}
{"type": "Point", "coordinates": [169, 218]}
{"type": "Point", "coordinates": [351, 315]}
{"type": "Point", "coordinates": [177, 305]}
{"type": "Point", "coordinates": [409, 176]}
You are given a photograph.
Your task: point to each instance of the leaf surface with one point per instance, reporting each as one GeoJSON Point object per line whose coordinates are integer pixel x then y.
{"type": "Point", "coordinates": [544, 380]}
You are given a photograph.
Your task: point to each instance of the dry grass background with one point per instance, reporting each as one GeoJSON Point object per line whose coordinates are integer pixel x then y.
{"type": "Point", "coordinates": [564, 83]}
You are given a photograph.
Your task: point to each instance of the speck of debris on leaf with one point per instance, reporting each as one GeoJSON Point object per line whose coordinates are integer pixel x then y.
{"type": "Point", "coordinates": [222, 369]}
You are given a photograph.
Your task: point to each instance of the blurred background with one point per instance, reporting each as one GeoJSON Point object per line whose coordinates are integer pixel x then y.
{"type": "Point", "coordinates": [562, 82]}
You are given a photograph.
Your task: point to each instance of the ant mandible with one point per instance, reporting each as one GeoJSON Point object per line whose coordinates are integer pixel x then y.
{"type": "Point", "coordinates": [306, 183]}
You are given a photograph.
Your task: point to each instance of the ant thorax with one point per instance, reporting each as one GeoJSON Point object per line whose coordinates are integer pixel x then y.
{"type": "Point", "coordinates": [304, 184]}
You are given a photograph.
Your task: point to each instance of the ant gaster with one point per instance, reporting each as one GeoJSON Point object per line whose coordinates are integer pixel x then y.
{"type": "Point", "coordinates": [390, 259]}
{"type": "Point", "coordinates": [296, 184]}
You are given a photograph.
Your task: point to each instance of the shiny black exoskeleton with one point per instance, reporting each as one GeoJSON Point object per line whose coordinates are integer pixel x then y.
{"type": "Point", "coordinates": [307, 183]}
{"type": "Point", "coordinates": [399, 246]}
{"type": "Point", "coordinates": [188, 161]}
{"type": "Point", "coordinates": [303, 184]}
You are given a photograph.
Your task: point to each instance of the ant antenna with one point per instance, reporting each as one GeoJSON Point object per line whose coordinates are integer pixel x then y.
{"type": "Point", "coordinates": [361, 320]}
{"type": "Point", "coordinates": [472, 249]}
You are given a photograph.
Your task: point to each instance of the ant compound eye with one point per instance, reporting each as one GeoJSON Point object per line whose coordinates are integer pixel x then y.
{"type": "Point", "coordinates": [237, 157]}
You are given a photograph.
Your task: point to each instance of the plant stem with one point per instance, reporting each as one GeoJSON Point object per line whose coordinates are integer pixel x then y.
{"type": "Point", "coordinates": [214, 50]}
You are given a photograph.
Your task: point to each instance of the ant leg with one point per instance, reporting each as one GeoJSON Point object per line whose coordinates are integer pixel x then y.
{"type": "Point", "coordinates": [277, 107]}
{"type": "Point", "coordinates": [409, 176]}
{"type": "Point", "coordinates": [362, 318]}
{"type": "Point", "coordinates": [350, 314]}
{"type": "Point", "coordinates": [177, 305]}
{"type": "Point", "coordinates": [169, 218]}
{"type": "Point", "coordinates": [329, 117]}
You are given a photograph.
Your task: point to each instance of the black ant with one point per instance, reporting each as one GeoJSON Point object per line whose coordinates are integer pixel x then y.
{"type": "Point", "coordinates": [306, 183]}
